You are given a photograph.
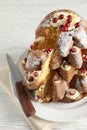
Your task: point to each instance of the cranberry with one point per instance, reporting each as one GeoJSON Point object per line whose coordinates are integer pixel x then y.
{"type": "Point", "coordinates": [72, 92]}
{"type": "Point", "coordinates": [30, 78]}
{"type": "Point", "coordinates": [61, 16]}
{"type": "Point", "coordinates": [54, 20]}
{"type": "Point", "coordinates": [85, 57]}
{"type": "Point", "coordinates": [73, 50]}
{"type": "Point", "coordinates": [31, 46]}
{"type": "Point", "coordinates": [83, 71]}
{"type": "Point", "coordinates": [67, 24]}
{"type": "Point", "coordinates": [69, 18]}
{"type": "Point", "coordinates": [49, 50]}
{"type": "Point", "coordinates": [77, 24]}
{"type": "Point", "coordinates": [35, 74]}
{"type": "Point", "coordinates": [61, 27]}
{"type": "Point", "coordinates": [64, 29]}
{"type": "Point", "coordinates": [25, 59]}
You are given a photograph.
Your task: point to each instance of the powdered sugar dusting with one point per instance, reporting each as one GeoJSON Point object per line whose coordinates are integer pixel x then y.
{"type": "Point", "coordinates": [81, 35]}
{"type": "Point", "coordinates": [32, 62]}
{"type": "Point", "coordinates": [65, 40]}
{"type": "Point", "coordinates": [65, 43]}
{"type": "Point", "coordinates": [76, 58]}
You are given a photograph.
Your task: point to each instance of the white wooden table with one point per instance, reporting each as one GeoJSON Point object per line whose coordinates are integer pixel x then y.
{"type": "Point", "coordinates": [18, 21]}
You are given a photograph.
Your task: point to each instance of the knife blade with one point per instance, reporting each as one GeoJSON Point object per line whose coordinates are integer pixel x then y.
{"type": "Point", "coordinates": [23, 97]}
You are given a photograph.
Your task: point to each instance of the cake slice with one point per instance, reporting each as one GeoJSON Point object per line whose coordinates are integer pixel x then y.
{"type": "Point", "coordinates": [79, 81]}
{"type": "Point", "coordinates": [66, 71]}
{"type": "Point", "coordinates": [75, 57]}
{"type": "Point", "coordinates": [56, 60]}
{"type": "Point", "coordinates": [59, 88]}
{"type": "Point", "coordinates": [44, 92]}
{"type": "Point", "coordinates": [37, 78]}
{"type": "Point", "coordinates": [33, 60]}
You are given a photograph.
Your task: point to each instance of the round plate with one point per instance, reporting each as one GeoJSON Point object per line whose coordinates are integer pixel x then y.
{"type": "Point", "coordinates": [62, 112]}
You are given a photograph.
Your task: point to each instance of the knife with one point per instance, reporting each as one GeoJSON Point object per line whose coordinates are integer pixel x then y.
{"type": "Point", "coordinates": [22, 95]}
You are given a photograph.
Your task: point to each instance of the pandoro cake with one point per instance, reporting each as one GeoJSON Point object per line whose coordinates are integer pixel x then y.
{"type": "Point", "coordinates": [55, 66]}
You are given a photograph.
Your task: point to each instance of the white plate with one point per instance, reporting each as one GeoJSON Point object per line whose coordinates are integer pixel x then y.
{"type": "Point", "coordinates": [57, 111]}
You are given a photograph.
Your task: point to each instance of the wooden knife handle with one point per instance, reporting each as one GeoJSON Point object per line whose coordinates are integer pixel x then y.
{"type": "Point", "coordinates": [24, 99]}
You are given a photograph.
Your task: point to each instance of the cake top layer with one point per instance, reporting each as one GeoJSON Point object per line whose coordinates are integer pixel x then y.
{"type": "Point", "coordinates": [65, 21]}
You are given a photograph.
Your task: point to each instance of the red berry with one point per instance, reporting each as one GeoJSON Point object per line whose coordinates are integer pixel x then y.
{"type": "Point", "coordinates": [31, 46]}
{"type": "Point", "coordinates": [64, 29]}
{"type": "Point", "coordinates": [77, 24]}
{"type": "Point", "coordinates": [83, 71]}
{"type": "Point", "coordinates": [30, 78]}
{"type": "Point", "coordinates": [54, 20]}
{"type": "Point", "coordinates": [25, 59]}
{"type": "Point", "coordinates": [73, 50]}
{"type": "Point", "coordinates": [72, 92]}
{"type": "Point", "coordinates": [35, 74]}
{"type": "Point", "coordinates": [85, 57]}
{"type": "Point", "coordinates": [69, 18]}
{"type": "Point", "coordinates": [61, 16]}
{"type": "Point", "coordinates": [67, 24]}
{"type": "Point", "coordinates": [49, 50]}
{"type": "Point", "coordinates": [61, 27]}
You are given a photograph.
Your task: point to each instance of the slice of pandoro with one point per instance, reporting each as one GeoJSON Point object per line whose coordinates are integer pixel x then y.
{"type": "Point", "coordinates": [39, 77]}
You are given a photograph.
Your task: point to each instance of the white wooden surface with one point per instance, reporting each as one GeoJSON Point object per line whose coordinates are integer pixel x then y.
{"type": "Point", "coordinates": [18, 21]}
